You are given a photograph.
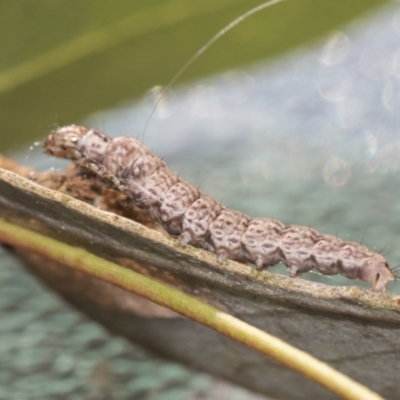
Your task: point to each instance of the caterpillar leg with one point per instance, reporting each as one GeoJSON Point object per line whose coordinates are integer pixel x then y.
{"type": "Point", "coordinates": [185, 238]}
{"type": "Point", "coordinates": [222, 255]}
{"type": "Point", "coordinates": [294, 271]}
{"type": "Point", "coordinates": [259, 263]}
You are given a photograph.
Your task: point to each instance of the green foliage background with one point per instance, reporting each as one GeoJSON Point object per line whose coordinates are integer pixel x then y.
{"type": "Point", "coordinates": [61, 60]}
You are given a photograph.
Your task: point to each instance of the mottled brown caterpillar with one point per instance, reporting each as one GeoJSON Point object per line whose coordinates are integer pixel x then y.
{"type": "Point", "coordinates": [182, 209]}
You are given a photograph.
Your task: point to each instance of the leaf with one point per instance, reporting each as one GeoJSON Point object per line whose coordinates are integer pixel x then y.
{"type": "Point", "coordinates": [337, 324]}
{"type": "Point", "coordinates": [187, 306]}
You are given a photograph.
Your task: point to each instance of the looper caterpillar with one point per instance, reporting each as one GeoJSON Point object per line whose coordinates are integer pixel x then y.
{"type": "Point", "coordinates": [130, 167]}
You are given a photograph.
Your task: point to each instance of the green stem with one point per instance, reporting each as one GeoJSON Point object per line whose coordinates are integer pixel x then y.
{"type": "Point", "coordinates": [187, 306]}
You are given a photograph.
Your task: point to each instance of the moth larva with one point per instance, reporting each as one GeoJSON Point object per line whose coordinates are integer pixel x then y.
{"type": "Point", "coordinates": [130, 167]}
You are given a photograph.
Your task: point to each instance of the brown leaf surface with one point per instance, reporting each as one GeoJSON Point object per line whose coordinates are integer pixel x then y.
{"type": "Point", "coordinates": [354, 330]}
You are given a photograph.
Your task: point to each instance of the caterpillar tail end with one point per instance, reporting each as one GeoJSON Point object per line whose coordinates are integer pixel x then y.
{"type": "Point", "coordinates": [379, 275]}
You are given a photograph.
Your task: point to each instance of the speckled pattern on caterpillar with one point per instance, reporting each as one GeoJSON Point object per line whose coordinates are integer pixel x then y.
{"type": "Point", "coordinates": [182, 209]}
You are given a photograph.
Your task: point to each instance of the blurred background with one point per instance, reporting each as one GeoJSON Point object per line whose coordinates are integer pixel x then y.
{"type": "Point", "coordinates": [292, 115]}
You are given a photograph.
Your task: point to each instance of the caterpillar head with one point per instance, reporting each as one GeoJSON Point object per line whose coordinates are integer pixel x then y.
{"type": "Point", "coordinates": [63, 141]}
{"type": "Point", "coordinates": [377, 272]}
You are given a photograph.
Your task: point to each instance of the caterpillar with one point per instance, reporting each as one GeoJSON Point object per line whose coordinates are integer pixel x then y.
{"type": "Point", "coordinates": [130, 167]}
